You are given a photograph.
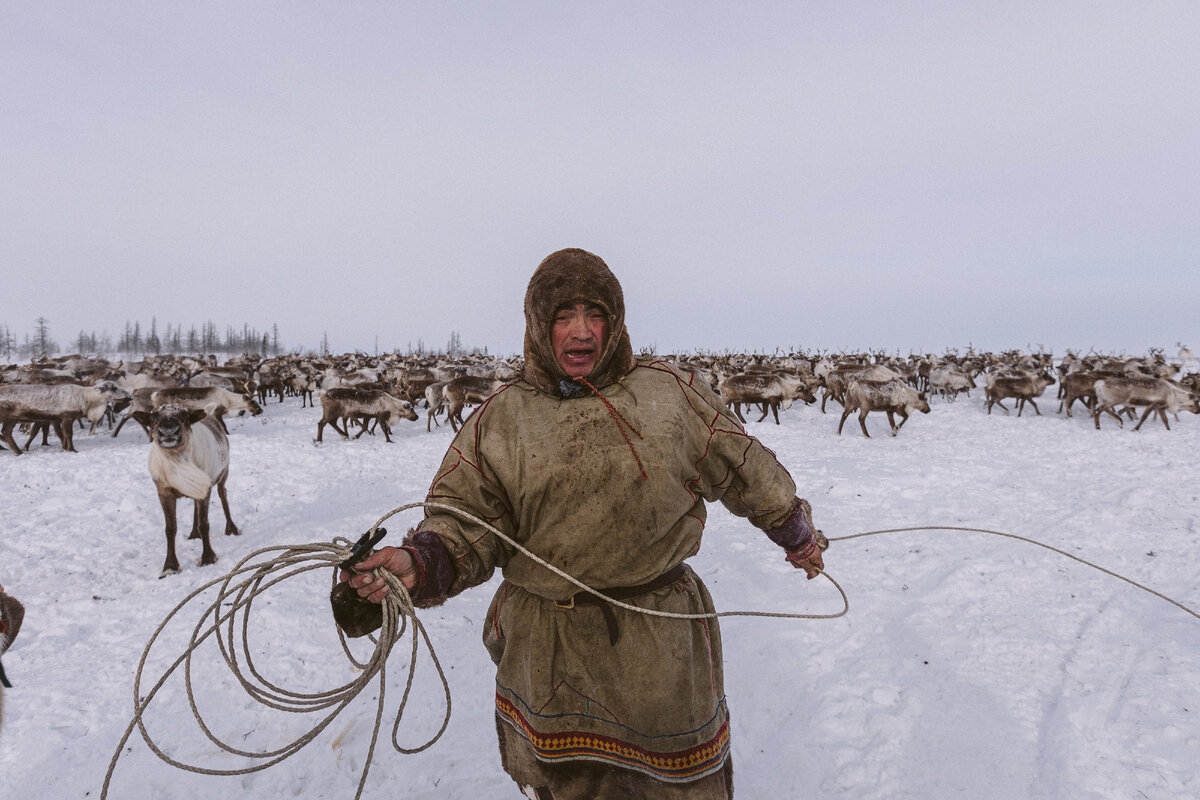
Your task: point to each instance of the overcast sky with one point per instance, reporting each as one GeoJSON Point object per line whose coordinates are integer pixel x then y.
{"type": "Point", "coordinates": [910, 176]}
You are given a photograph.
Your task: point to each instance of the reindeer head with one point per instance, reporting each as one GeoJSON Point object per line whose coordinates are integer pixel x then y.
{"type": "Point", "coordinates": [405, 411]}
{"type": "Point", "coordinates": [169, 424]}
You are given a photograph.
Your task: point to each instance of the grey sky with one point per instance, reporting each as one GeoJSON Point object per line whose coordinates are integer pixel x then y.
{"type": "Point", "coordinates": [822, 175]}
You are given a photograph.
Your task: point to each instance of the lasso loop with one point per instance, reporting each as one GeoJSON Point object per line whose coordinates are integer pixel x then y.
{"type": "Point", "coordinates": [398, 612]}
{"type": "Point", "coordinates": [238, 590]}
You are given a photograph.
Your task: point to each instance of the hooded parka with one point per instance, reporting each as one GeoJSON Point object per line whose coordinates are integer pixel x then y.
{"type": "Point", "coordinates": [607, 479]}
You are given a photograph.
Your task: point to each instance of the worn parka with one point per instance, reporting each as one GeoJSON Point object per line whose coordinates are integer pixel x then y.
{"type": "Point", "coordinates": [606, 479]}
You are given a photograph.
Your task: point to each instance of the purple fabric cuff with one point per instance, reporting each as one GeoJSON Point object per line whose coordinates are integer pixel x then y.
{"type": "Point", "coordinates": [794, 533]}
{"type": "Point", "coordinates": [435, 567]}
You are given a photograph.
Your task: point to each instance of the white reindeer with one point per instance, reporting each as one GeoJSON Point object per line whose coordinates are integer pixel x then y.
{"type": "Point", "coordinates": [189, 455]}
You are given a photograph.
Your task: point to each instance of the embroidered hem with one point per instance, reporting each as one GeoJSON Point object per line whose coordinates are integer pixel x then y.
{"type": "Point", "coordinates": [672, 767]}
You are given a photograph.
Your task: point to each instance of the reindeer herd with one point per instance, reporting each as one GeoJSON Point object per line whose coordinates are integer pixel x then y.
{"type": "Point", "coordinates": [180, 402]}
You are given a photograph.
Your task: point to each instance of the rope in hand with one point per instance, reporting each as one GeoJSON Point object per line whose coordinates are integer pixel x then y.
{"type": "Point", "coordinates": [398, 611]}
{"type": "Point", "coordinates": [255, 578]}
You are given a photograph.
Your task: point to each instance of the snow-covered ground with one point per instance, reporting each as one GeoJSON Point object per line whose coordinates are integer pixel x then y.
{"type": "Point", "coordinates": [969, 665]}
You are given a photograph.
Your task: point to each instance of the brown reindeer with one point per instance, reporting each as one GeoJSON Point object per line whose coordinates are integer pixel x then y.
{"type": "Point", "coordinates": [893, 397]}
{"type": "Point", "coordinates": [363, 405]}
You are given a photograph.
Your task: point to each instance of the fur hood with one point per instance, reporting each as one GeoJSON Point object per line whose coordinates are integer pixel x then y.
{"type": "Point", "coordinates": [562, 277]}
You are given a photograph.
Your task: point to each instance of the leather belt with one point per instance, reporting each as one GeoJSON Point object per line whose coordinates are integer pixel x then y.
{"type": "Point", "coordinates": [621, 593]}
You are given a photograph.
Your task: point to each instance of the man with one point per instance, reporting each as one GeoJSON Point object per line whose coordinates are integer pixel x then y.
{"type": "Point", "coordinates": [601, 466]}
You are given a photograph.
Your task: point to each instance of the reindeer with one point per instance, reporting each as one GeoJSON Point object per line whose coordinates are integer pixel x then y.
{"type": "Point", "coordinates": [1156, 394]}
{"type": "Point", "coordinates": [769, 390]}
{"type": "Point", "coordinates": [212, 400]}
{"type": "Point", "coordinates": [1023, 387]}
{"type": "Point", "coordinates": [59, 405]}
{"type": "Point", "coordinates": [362, 405]}
{"type": "Point", "coordinates": [837, 379]}
{"type": "Point", "coordinates": [464, 390]}
{"type": "Point", "coordinates": [893, 397]}
{"type": "Point", "coordinates": [11, 615]}
{"type": "Point", "coordinates": [435, 402]}
{"type": "Point", "coordinates": [948, 381]}
{"type": "Point", "coordinates": [189, 455]}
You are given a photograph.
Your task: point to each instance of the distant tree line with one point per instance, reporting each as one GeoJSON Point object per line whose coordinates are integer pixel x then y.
{"type": "Point", "coordinates": [137, 341]}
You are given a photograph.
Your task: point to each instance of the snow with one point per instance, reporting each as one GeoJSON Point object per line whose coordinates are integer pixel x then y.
{"type": "Point", "coordinates": [969, 665]}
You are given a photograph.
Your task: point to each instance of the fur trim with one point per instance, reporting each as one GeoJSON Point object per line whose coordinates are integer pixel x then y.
{"type": "Point", "coordinates": [565, 276]}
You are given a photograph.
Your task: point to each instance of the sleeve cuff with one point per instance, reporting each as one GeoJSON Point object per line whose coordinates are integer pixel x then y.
{"type": "Point", "coordinates": [795, 534]}
{"type": "Point", "coordinates": [435, 568]}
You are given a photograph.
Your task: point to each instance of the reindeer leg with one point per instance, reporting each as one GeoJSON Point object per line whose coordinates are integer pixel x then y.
{"type": "Point", "coordinates": [207, 555]}
{"type": "Point", "coordinates": [195, 533]}
{"type": "Point", "coordinates": [167, 499]}
{"type": "Point", "coordinates": [34, 430]}
{"type": "Point", "coordinates": [6, 433]}
{"type": "Point", "coordinates": [230, 528]}
{"type": "Point", "coordinates": [66, 432]}
{"type": "Point", "coordinates": [1110, 412]}
{"type": "Point", "coordinates": [120, 423]}
{"type": "Point", "coordinates": [862, 421]}
{"type": "Point", "coordinates": [845, 413]}
{"type": "Point", "coordinates": [1151, 409]}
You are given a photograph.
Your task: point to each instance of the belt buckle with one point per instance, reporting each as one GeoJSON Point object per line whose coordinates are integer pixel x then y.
{"type": "Point", "coordinates": [567, 604]}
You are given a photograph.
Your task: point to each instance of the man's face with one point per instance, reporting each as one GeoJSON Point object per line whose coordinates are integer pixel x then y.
{"type": "Point", "coordinates": [578, 337]}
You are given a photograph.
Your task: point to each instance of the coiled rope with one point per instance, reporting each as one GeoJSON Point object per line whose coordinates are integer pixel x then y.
{"type": "Point", "coordinates": [398, 612]}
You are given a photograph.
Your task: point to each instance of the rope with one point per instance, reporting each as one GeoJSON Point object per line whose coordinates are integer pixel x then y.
{"type": "Point", "coordinates": [280, 564]}
{"type": "Point", "coordinates": [1027, 540]}
{"type": "Point", "coordinates": [398, 611]}
{"type": "Point", "coordinates": [618, 418]}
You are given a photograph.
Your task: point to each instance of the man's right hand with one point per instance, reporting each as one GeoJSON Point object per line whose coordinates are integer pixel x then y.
{"type": "Point", "coordinates": [396, 560]}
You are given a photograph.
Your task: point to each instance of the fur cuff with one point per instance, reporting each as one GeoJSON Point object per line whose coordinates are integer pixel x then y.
{"type": "Point", "coordinates": [435, 568]}
{"type": "Point", "coordinates": [796, 532]}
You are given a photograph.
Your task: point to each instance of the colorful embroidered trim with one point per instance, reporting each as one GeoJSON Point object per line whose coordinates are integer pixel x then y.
{"type": "Point", "coordinates": [677, 767]}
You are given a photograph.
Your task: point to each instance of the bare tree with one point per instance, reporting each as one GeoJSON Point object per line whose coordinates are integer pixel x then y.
{"type": "Point", "coordinates": [43, 345]}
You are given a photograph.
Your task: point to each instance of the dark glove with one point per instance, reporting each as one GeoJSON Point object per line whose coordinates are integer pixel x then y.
{"type": "Point", "coordinates": [356, 616]}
